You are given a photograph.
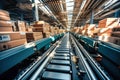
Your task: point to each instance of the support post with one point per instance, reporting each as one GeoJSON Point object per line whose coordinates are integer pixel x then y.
{"type": "Point", "coordinates": [92, 17]}
{"type": "Point", "coordinates": [35, 10]}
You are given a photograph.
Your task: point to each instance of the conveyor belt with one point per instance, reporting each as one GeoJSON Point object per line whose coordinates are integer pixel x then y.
{"type": "Point", "coordinates": [59, 64]}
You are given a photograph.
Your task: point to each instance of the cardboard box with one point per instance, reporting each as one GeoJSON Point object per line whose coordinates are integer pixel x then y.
{"type": "Point", "coordinates": [11, 44]}
{"type": "Point", "coordinates": [32, 34]}
{"type": "Point", "coordinates": [4, 13]}
{"type": "Point", "coordinates": [96, 30]}
{"type": "Point", "coordinates": [3, 46]}
{"type": "Point", "coordinates": [114, 40]}
{"type": "Point", "coordinates": [6, 29]}
{"type": "Point", "coordinates": [86, 26]}
{"type": "Point", "coordinates": [30, 39]}
{"type": "Point", "coordinates": [4, 18]}
{"type": "Point", "coordinates": [6, 23]}
{"type": "Point", "coordinates": [115, 34]}
{"type": "Point", "coordinates": [40, 24]}
{"type": "Point", "coordinates": [91, 26]}
{"type": "Point", "coordinates": [22, 35]}
{"type": "Point", "coordinates": [39, 29]}
{"type": "Point", "coordinates": [29, 29]}
{"type": "Point", "coordinates": [46, 34]}
{"type": "Point", "coordinates": [116, 29]}
{"type": "Point", "coordinates": [9, 36]}
{"type": "Point", "coordinates": [15, 43]}
{"type": "Point", "coordinates": [108, 22]}
{"type": "Point", "coordinates": [55, 32]}
{"type": "Point", "coordinates": [21, 26]}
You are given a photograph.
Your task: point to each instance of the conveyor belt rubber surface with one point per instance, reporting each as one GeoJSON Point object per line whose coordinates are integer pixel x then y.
{"type": "Point", "coordinates": [60, 65]}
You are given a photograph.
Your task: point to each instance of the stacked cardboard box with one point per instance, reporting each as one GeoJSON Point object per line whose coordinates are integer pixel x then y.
{"type": "Point", "coordinates": [61, 31]}
{"type": "Point", "coordinates": [29, 28]}
{"type": "Point", "coordinates": [41, 26]}
{"type": "Point", "coordinates": [76, 29]}
{"type": "Point", "coordinates": [5, 23]}
{"type": "Point", "coordinates": [52, 31]}
{"type": "Point", "coordinates": [8, 38]}
{"type": "Point", "coordinates": [90, 31]}
{"type": "Point", "coordinates": [11, 39]}
{"type": "Point", "coordinates": [20, 26]}
{"type": "Point", "coordinates": [108, 22]}
{"type": "Point", "coordinates": [108, 31]}
{"type": "Point", "coordinates": [56, 30]}
{"type": "Point", "coordinates": [33, 36]}
{"type": "Point", "coordinates": [46, 34]}
{"type": "Point", "coordinates": [81, 29]}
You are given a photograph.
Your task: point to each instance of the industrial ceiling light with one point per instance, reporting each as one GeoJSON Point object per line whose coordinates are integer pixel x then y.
{"type": "Point", "coordinates": [69, 7]}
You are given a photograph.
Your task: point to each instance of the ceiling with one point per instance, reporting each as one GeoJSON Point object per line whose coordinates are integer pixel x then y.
{"type": "Point", "coordinates": [67, 13]}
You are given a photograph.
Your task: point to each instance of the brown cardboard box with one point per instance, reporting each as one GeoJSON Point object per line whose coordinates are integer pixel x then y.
{"type": "Point", "coordinates": [3, 46]}
{"type": "Point", "coordinates": [91, 26]}
{"type": "Point", "coordinates": [21, 23]}
{"type": "Point", "coordinates": [22, 35]}
{"type": "Point", "coordinates": [5, 23]}
{"type": "Point", "coordinates": [21, 26]}
{"type": "Point", "coordinates": [115, 34]}
{"type": "Point", "coordinates": [116, 29]}
{"type": "Point", "coordinates": [40, 24]}
{"type": "Point", "coordinates": [86, 26]}
{"type": "Point", "coordinates": [15, 43]}
{"type": "Point", "coordinates": [39, 29]}
{"type": "Point", "coordinates": [108, 22]}
{"type": "Point", "coordinates": [55, 32]}
{"type": "Point", "coordinates": [32, 34]}
{"type": "Point", "coordinates": [4, 18]}
{"type": "Point", "coordinates": [4, 13]}
{"type": "Point", "coordinates": [29, 29]}
{"type": "Point", "coordinates": [7, 29]}
{"type": "Point", "coordinates": [96, 30]}
{"type": "Point", "coordinates": [30, 39]}
{"type": "Point", "coordinates": [114, 40]}
{"type": "Point", "coordinates": [46, 34]}
{"type": "Point", "coordinates": [12, 35]}
{"type": "Point", "coordinates": [11, 44]}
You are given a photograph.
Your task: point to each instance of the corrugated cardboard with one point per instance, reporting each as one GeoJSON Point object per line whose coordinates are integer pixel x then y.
{"type": "Point", "coordinates": [30, 39]}
{"type": "Point", "coordinates": [40, 24]}
{"type": "Point", "coordinates": [3, 46]}
{"type": "Point", "coordinates": [46, 34]}
{"type": "Point", "coordinates": [12, 35]}
{"type": "Point", "coordinates": [116, 29]}
{"type": "Point", "coordinates": [21, 26]}
{"type": "Point", "coordinates": [4, 13]}
{"type": "Point", "coordinates": [115, 34]}
{"type": "Point", "coordinates": [7, 29]}
{"type": "Point", "coordinates": [4, 18]}
{"type": "Point", "coordinates": [11, 44]}
{"type": "Point", "coordinates": [108, 22]}
{"type": "Point", "coordinates": [22, 35]}
{"type": "Point", "coordinates": [40, 29]}
{"type": "Point", "coordinates": [5, 23]}
{"type": "Point", "coordinates": [32, 34]}
{"type": "Point", "coordinates": [15, 43]}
